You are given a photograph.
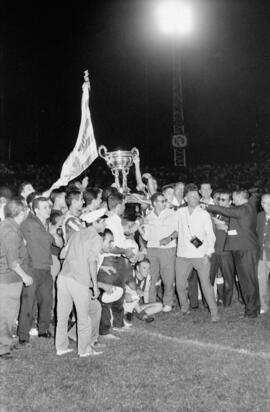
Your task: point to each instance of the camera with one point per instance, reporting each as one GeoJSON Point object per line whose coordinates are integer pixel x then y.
{"type": "Point", "coordinates": [196, 242]}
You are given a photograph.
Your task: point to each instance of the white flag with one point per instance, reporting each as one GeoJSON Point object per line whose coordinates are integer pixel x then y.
{"type": "Point", "coordinates": [85, 150]}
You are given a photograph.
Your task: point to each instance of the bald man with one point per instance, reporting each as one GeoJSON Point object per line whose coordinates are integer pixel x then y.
{"type": "Point", "coordinates": [263, 233]}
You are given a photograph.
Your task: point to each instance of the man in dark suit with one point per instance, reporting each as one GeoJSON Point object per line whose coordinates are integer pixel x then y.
{"type": "Point", "coordinates": [242, 240]}
{"type": "Point", "coordinates": [263, 232]}
{"type": "Point", "coordinates": [222, 259]}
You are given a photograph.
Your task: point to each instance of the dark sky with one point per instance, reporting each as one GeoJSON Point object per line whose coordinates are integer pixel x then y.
{"type": "Point", "coordinates": [225, 72]}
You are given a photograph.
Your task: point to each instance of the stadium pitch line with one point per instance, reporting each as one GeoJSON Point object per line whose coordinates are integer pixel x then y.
{"type": "Point", "coordinates": [205, 345]}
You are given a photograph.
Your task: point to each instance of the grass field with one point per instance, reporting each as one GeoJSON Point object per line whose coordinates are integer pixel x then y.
{"type": "Point", "coordinates": [173, 364]}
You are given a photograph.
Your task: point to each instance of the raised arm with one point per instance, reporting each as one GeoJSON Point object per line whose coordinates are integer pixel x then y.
{"type": "Point", "coordinates": [140, 185]}
{"type": "Point", "coordinates": [234, 212]}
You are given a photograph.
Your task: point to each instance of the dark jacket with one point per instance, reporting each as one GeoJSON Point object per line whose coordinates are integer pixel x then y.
{"type": "Point", "coordinates": [12, 252]}
{"type": "Point", "coordinates": [241, 233]}
{"type": "Point", "coordinates": [39, 242]}
{"type": "Point", "coordinates": [221, 236]}
{"type": "Point", "coordinates": [263, 233]}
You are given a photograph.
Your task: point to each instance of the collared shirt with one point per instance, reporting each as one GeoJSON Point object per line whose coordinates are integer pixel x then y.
{"type": "Point", "coordinates": [210, 201]}
{"type": "Point", "coordinates": [160, 226]}
{"type": "Point", "coordinates": [84, 247]}
{"type": "Point", "coordinates": [143, 284]}
{"type": "Point", "coordinates": [114, 223]}
{"type": "Point", "coordinates": [197, 224]}
{"type": "Point", "coordinates": [39, 242]}
{"type": "Point", "coordinates": [176, 203]}
{"type": "Point", "coordinates": [12, 252]}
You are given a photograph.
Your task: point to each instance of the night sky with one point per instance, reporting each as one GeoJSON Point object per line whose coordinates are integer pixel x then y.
{"type": "Point", "coordinates": [225, 73]}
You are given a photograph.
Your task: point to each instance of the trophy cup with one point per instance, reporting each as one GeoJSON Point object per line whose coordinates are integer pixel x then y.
{"type": "Point", "coordinates": [119, 161]}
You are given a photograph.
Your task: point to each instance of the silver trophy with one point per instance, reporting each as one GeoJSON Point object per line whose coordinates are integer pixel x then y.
{"type": "Point", "coordinates": [119, 161]}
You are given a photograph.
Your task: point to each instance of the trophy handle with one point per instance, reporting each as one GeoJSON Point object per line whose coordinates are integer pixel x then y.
{"type": "Point", "coordinates": [135, 152]}
{"type": "Point", "coordinates": [102, 151]}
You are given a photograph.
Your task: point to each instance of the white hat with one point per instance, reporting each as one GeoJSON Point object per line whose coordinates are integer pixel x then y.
{"type": "Point", "coordinates": [91, 217]}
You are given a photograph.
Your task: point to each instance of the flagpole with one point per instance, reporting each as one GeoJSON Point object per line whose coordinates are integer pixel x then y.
{"type": "Point", "coordinates": [85, 149]}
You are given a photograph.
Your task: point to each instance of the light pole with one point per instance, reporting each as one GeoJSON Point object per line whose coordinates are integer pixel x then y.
{"type": "Point", "coordinates": [175, 19]}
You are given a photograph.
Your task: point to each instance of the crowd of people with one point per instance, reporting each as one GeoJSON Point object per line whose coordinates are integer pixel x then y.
{"type": "Point", "coordinates": [84, 260]}
{"type": "Point", "coordinates": [229, 175]}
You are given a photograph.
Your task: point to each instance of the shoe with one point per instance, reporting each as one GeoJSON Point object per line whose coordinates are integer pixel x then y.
{"type": "Point", "coordinates": [215, 318]}
{"type": "Point", "coordinates": [252, 316]}
{"type": "Point", "coordinates": [123, 329]}
{"type": "Point", "coordinates": [185, 312]}
{"type": "Point", "coordinates": [18, 346]}
{"type": "Point", "coordinates": [46, 334]}
{"type": "Point", "coordinates": [6, 355]}
{"type": "Point", "coordinates": [148, 319]}
{"type": "Point", "coordinates": [127, 324]}
{"type": "Point", "coordinates": [263, 311]}
{"type": "Point", "coordinates": [33, 332]}
{"type": "Point", "coordinates": [24, 343]}
{"type": "Point", "coordinates": [110, 336]}
{"type": "Point", "coordinates": [129, 316]}
{"type": "Point", "coordinates": [90, 352]}
{"type": "Point", "coordinates": [61, 352]}
{"type": "Point", "coordinates": [98, 345]}
{"type": "Point", "coordinates": [166, 308]}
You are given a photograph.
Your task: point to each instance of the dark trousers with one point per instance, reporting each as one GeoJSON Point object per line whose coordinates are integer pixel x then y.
{"type": "Point", "coordinates": [225, 263]}
{"type": "Point", "coordinates": [123, 271]}
{"type": "Point", "coordinates": [39, 292]}
{"type": "Point", "coordinates": [118, 316]}
{"type": "Point", "coordinates": [193, 284]}
{"type": "Point", "coordinates": [246, 262]}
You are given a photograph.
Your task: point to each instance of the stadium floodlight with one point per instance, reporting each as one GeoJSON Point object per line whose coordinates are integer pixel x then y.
{"type": "Point", "coordinates": [175, 18]}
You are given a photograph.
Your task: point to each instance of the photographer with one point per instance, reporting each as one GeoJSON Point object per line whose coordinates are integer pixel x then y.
{"type": "Point", "coordinates": [196, 241]}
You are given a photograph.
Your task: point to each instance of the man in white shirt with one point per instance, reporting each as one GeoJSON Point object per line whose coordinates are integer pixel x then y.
{"type": "Point", "coordinates": [160, 232]}
{"type": "Point", "coordinates": [196, 240]}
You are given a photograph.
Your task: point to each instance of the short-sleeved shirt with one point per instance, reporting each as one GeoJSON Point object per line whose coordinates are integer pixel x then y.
{"type": "Point", "coordinates": [12, 252]}
{"type": "Point", "coordinates": [160, 226]}
{"type": "Point", "coordinates": [83, 248]}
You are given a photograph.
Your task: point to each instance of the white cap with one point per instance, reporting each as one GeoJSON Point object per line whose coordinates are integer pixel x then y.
{"type": "Point", "coordinates": [91, 217]}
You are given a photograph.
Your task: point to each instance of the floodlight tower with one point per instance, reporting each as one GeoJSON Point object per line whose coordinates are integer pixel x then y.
{"type": "Point", "coordinates": [175, 20]}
